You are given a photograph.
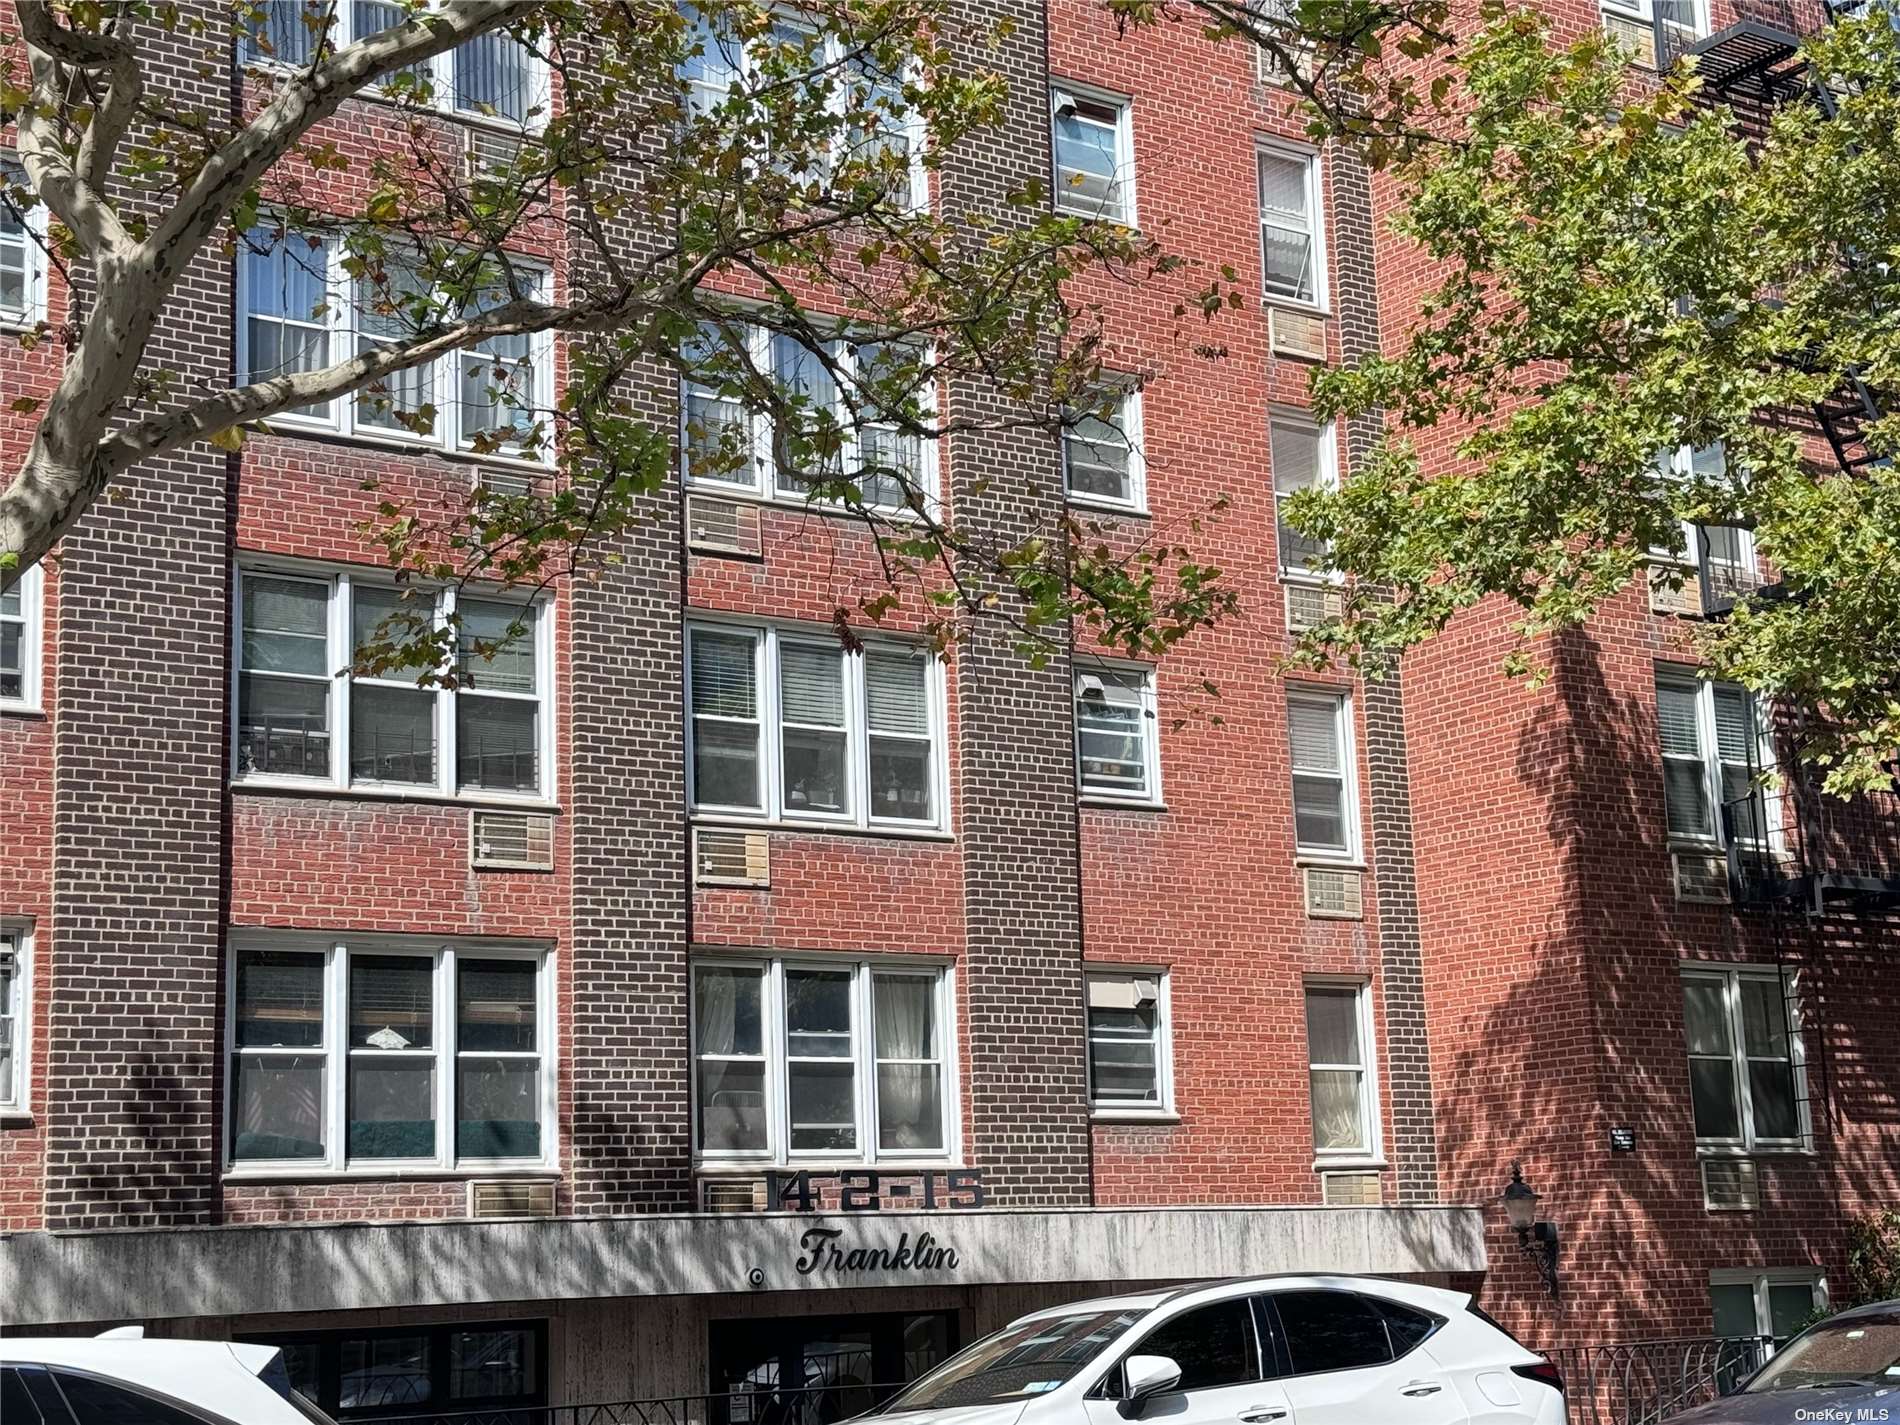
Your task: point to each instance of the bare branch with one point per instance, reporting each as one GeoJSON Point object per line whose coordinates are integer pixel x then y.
{"type": "Point", "coordinates": [64, 187]}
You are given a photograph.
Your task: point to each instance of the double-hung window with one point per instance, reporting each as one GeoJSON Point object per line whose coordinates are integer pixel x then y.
{"type": "Point", "coordinates": [1713, 747]}
{"type": "Point", "coordinates": [1101, 452]}
{"type": "Point", "coordinates": [1325, 800]}
{"type": "Point", "coordinates": [1131, 1067]}
{"type": "Point", "coordinates": [1292, 249]}
{"type": "Point", "coordinates": [22, 259]}
{"type": "Point", "coordinates": [1094, 155]}
{"type": "Point", "coordinates": [389, 1054]}
{"type": "Point", "coordinates": [492, 78]}
{"type": "Point", "coordinates": [300, 310]}
{"type": "Point", "coordinates": [1305, 457]}
{"type": "Point", "coordinates": [20, 619]}
{"type": "Point", "coordinates": [788, 725]}
{"type": "Point", "coordinates": [1339, 1071]}
{"type": "Point", "coordinates": [303, 717]}
{"type": "Point", "coordinates": [16, 1016]}
{"type": "Point", "coordinates": [1745, 1058]}
{"type": "Point", "coordinates": [832, 1059]}
{"type": "Point", "coordinates": [850, 409]}
{"type": "Point", "coordinates": [1117, 732]}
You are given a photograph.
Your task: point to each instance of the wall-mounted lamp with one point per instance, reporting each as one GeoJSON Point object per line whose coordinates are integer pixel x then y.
{"type": "Point", "coordinates": [1537, 1240]}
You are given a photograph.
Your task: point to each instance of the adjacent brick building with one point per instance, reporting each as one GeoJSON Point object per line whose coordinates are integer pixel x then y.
{"type": "Point", "coordinates": [1052, 964]}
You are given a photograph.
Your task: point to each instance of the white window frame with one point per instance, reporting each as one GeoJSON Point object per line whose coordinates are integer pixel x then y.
{"type": "Point", "coordinates": [1709, 744]}
{"type": "Point", "coordinates": [1760, 1279]}
{"type": "Point", "coordinates": [1643, 12]}
{"type": "Point", "coordinates": [772, 1029]}
{"type": "Point", "coordinates": [1326, 433]}
{"type": "Point", "coordinates": [1321, 300]}
{"type": "Point", "coordinates": [1372, 1154]}
{"type": "Point", "coordinates": [338, 416]}
{"type": "Point", "coordinates": [32, 619]}
{"type": "Point", "coordinates": [16, 1093]}
{"type": "Point", "coordinates": [1067, 200]}
{"type": "Point", "coordinates": [1681, 467]}
{"type": "Point", "coordinates": [1136, 683]}
{"type": "Point", "coordinates": [341, 585]}
{"type": "Point", "coordinates": [440, 69]}
{"type": "Point", "coordinates": [32, 251]}
{"type": "Point", "coordinates": [1127, 420]}
{"type": "Point", "coordinates": [1786, 984]}
{"type": "Point", "coordinates": [767, 638]}
{"type": "Point", "coordinates": [1339, 700]}
{"type": "Point", "coordinates": [764, 482]}
{"type": "Point", "coordinates": [336, 1053]}
{"type": "Point", "coordinates": [1116, 1110]}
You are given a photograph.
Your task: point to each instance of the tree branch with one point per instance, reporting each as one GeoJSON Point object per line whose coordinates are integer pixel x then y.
{"type": "Point", "coordinates": [67, 189]}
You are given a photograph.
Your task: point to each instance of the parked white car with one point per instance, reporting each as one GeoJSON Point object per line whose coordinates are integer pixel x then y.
{"type": "Point", "coordinates": [1289, 1350]}
{"type": "Point", "coordinates": [125, 1380]}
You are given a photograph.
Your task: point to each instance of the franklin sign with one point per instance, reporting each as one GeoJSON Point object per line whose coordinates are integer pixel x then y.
{"type": "Point", "coordinates": [819, 1253]}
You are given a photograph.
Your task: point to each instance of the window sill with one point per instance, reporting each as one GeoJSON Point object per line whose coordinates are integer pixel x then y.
{"type": "Point", "coordinates": [1350, 1165]}
{"type": "Point", "coordinates": [23, 711]}
{"type": "Point", "coordinates": [1064, 210]}
{"type": "Point", "coordinates": [1732, 1150]}
{"type": "Point", "coordinates": [239, 1177]}
{"type": "Point", "coordinates": [1133, 1117]}
{"type": "Point", "coordinates": [16, 1118]}
{"type": "Point", "coordinates": [1304, 859]}
{"type": "Point", "coordinates": [755, 1167]}
{"type": "Point", "coordinates": [259, 786]}
{"type": "Point", "coordinates": [821, 828]}
{"type": "Point", "coordinates": [1292, 304]}
{"type": "Point", "coordinates": [1119, 804]}
{"type": "Point", "coordinates": [1107, 507]}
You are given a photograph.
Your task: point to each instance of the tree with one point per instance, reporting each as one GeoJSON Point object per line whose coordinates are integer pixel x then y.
{"type": "Point", "coordinates": [706, 173]}
{"type": "Point", "coordinates": [1625, 275]}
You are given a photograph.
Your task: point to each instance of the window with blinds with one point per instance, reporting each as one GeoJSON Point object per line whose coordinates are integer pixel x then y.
{"type": "Point", "coordinates": [1325, 816]}
{"type": "Point", "coordinates": [1713, 747]}
{"type": "Point", "coordinates": [1291, 252]}
{"type": "Point", "coordinates": [1303, 458]}
{"type": "Point", "coordinates": [1117, 741]}
{"type": "Point", "coordinates": [787, 725]}
{"type": "Point", "coordinates": [1128, 1043]}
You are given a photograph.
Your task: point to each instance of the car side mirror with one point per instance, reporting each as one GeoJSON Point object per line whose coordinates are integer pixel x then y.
{"type": "Point", "coordinates": [1144, 1377]}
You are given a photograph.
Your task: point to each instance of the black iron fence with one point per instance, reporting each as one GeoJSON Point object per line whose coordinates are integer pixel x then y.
{"type": "Point", "coordinates": [1644, 1382]}
{"type": "Point", "coordinates": [815, 1405]}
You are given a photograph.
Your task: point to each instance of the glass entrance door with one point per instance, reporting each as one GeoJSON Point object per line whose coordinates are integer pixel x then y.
{"type": "Point", "coordinates": [815, 1370]}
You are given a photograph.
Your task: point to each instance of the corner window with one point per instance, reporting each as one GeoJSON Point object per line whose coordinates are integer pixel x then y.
{"type": "Point", "coordinates": [1292, 254]}
{"type": "Point", "coordinates": [387, 1053]}
{"type": "Point", "coordinates": [1130, 1051]}
{"type": "Point", "coordinates": [1101, 452]}
{"type": "Point", "coordinates": [1339, 1071]}
{"type": "Point", "coordinates": [302, 716]}
{"type": "Point", "coordinates": [1304, 457]}
{"type": "Point", "coordinates": [1713, 747]}
{"type": "Point", "coordinates": [16, 1016]}
{"type": "Point", "coordinates": [1325, 800]}
{"type": "Point", "coordinates": [1746, 1075]}
{"type": "Point", "coordinates": [300, 310]}
{"type": "Point", "coordinates": [1094, 155]}
{"type": "Point", "coordinates": [822, 1060]}
{"type": "Point", "coordinates": [1776, 1304]}
{"type": "Point", "coordinates": [20, 620]}
{"type": "Point", "coordinates": [1117, 733]}
{"type": "Point", "coordinates": [22, 259]}
{"type": "Point", "coordinates": [787, 725]}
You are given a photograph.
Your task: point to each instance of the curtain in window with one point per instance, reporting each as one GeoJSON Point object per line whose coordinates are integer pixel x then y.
{"type": "Point", "coordinates": [729, 1044]}
{"type": "Point", "coordinates": [491, 77]}
{"type": "Point", "coordinates": [909, 1078]}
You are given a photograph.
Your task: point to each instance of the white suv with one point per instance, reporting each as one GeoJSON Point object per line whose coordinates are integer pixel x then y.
{"type": "Point", "coordinates": [120, 1379]}
{"type": "Point", "coordinates": [1291, 1350]}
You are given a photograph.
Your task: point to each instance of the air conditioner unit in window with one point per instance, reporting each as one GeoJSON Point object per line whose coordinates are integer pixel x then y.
{"type": "Point", "coordinates": [1350, 1189]}
{"type": "Point", "coordinates": [509, 1197]}
{"type": "Point", "coordinates": [1685, 602]}
{"type": "Point", "coordinates": [1310, 605]}
{"type": "Point", "coordinates": [732, 1195]}
{"type": "Point", "coordinates": [722, 527]}
{"type": "Point", "coordinates": [510, 841]}
{"type": "Point", "coordinates": [731, 858]}
{"type": "Point", "coordinates": [489, 155]}
{"type": "Point", "coordinates": [1333, 894]}
{"type": "Point", "coordinates": [1300, 335]}
{"type": "Point", "coordinates": [510, 483]}
{"type": "Point", "coordinates": [1701, 877]}
{"type": "Point", "coordinates": [1730, 1185]}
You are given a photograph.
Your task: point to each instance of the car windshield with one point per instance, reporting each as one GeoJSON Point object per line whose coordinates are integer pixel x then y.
{"type": "Point", "coordinates": [1026, 1359]}
{"type": "Point", "coordinates": [1861, 1350]}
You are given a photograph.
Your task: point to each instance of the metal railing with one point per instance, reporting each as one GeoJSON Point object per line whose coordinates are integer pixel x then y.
{"type": "Point", "coordinates": [1644, 1382]}
{"type": "Point", "coordinates": [814, 1405]}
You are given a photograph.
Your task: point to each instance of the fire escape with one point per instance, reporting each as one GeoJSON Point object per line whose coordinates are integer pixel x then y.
{"type": "Point", "coordinates": [1795, 849]}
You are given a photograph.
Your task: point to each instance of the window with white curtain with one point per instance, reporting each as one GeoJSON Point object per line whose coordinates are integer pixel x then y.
{"type": "Point", "coordinates": [1745, 1058]}
{"type": "Point", "coordinates": [1304, 457]}
{"type": "Point", "coordinates": [1101, 452]}
{"type": "Point", "coordinates": [302, 716]}
{"type": "Point", "coordinates": [367, 1055]}
{"type": "Point", "coordinates": [1117, 732]}
{"type": "Point", "coordinates": [1713, 745]}
{"type": "Point", "coordinates": [1325, 800]}
{"type": "Point", "coordinates": [1292, 245]}
{"type": "Point", "coordinates": [788, 725]}
{"type": "Point", "coordinates": [1130, 1051]}
{"type": "Point", "coordinates": [822, 1060]}
{"type": "Point", "coordinates": [1344, 1090]}
{"type": "Point", "coordinates": [20, 620]}
{"type": "Point", "coordinates": [16, 1015]}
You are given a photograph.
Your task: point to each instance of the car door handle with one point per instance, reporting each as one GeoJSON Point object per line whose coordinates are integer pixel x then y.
{"type": "Point", "coordinates": [1256, 1414]}
{"type": "Point", "coordinates": [1421, 1387]}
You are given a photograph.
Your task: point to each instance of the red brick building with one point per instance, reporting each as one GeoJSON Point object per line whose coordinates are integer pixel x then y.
{"type": "Point", "coordinates": [402, 1024]}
